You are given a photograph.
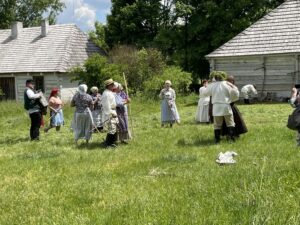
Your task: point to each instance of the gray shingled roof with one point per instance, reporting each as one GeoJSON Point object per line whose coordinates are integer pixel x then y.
{"type": "Point", "coordinates": [64, 47]}
{"type": "Point", "coordinates": [276, 33]}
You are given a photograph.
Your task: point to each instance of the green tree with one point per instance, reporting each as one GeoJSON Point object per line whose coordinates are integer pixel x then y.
{"type": "Point", "coordinates": [95, 71]}
{"type": "Point", "coordinates": [98, 36]}
{"type": "Point", "coordinates": [133, 22]}
{"type": "Point", "coordinates": [30, 12]}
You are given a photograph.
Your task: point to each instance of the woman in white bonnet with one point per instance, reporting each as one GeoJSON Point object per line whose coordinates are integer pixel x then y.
{"type": "Point", "coordinates": [82, 123]}
{"type": "Point", "coordinates": [169, 113]}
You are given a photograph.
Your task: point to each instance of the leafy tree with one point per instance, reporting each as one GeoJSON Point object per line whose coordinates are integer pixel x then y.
{"type": "Point", "coordinates": [95, 71]}
{"type": "Point", "coordinates": [98, 36]}
{"type": "Point", "coordinates": [30, 12]}
{"type": "Point", "coordinates": [133, 22]}
{"type": "Point", "coordinates": [138, 65]}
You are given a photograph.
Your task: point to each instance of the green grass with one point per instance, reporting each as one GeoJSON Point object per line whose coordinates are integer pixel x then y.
{"type": "Point", "coordinates": [164, 176]}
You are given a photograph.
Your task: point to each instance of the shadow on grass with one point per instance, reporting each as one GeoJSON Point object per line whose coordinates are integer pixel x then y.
{"type": "Point", "coordinates": [13, 140]}
{"type": "Point", "coordinates": [39, 155]}
{"type": "Point", "coordinates": [197, 142]}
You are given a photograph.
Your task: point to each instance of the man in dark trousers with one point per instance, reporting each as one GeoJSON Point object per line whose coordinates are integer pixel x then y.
{"type": "Point", "coordinates": [32, 105]}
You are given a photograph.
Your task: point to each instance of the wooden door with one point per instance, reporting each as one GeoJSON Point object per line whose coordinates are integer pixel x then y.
{"type": "Point", "coordinates": [7, 85]}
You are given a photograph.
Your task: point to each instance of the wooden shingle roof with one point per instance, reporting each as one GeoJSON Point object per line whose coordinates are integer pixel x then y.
{"type": "Point", "coordinates": [64, 47]}
{"type": "Point", "coordinates": [276, 33]}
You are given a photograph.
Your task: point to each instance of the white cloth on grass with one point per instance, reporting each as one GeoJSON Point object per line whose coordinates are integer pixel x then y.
{"type": "Point", "coordinates": [226, 158]}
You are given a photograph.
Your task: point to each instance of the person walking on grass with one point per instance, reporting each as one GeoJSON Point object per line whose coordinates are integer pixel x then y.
{"type": "Point", "coordinates": [97, 108]}
{"type": "Point", "coordinates": [33, 107]}
{"type": "Point", "coordinates": [122, 112]}
{"type": "Point", "coordinates": [56, 112]}
{"type": "Point", "coordinates": [82, 121]}
{"type": "Point", "coordinates": [169, 113]}
{"type": "Point", "coordinates": [109, 113]}
{"type": "Point", "coordinates": [202, 114]}
{"type": "Point", "coordinates": [223, 93]}
{"type": "Point", "coordinates": [248, 91]}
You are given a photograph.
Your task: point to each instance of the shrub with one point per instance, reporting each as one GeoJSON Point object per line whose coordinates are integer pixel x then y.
{"type": "Point", "coordinates": [95, 71]}
{"type": "Point", "coordinates": [180, 82]}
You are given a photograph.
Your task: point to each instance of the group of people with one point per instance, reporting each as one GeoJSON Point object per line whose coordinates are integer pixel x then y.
{"type": "Point", "coordinates": [92, 112]}
{"type": "Point", "coordinates": [216, 105]}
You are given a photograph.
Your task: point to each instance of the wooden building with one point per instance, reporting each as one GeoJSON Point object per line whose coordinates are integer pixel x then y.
{"type": "Point", "coordinates": [45, 54]}
{"type": "Point", "coordinates": [266, 54]}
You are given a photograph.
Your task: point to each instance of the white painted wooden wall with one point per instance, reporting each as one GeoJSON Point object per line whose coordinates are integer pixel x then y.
{"type": "Point", "coordinates": [279, 72]}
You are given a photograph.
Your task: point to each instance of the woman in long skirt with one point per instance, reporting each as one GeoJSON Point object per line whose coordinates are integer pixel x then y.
{"type": "Point", "coordinates": [56, 112]}
{"type": "Point", "coordinates": [169, 113]}
{"type": "Point", "coordinates": [97, 108]}
{"type": "Point", "coordinates": [202, 114]}
{"type": "Point", "coordinates": [82, 123]}
{"type": "Point", "coordinates": [122, 100]}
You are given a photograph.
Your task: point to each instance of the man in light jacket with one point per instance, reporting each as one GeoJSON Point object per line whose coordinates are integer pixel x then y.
{"type": "Point", "coordinates": [223, 93]}
{"type": "Point", "coordinates": [247, 91]}
{"type": "Point", "coordinates": [109, 113]}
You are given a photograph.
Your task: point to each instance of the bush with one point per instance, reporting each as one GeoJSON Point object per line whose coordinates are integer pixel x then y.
{"type": "Point", "coordinates": [180, 82]}
{"type": "Point", "coordinates": [138, 65]}
{"type": "Point", "coordinates": [95, 71]}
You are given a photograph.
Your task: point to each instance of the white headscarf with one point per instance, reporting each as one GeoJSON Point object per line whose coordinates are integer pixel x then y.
{"type": "Point", "coordinates": [82, 88]}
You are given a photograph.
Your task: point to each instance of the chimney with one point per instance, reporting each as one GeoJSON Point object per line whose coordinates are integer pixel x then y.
{"type": "Point", "coordinates": [44, 27]}
{"type": "Point", "coordinates": [16, 29]}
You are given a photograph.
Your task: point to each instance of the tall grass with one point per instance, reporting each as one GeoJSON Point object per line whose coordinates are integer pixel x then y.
{"type": "Point", "coordinates": [164, 176]}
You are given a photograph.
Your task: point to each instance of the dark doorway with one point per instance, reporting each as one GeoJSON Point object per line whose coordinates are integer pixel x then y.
{"type": "Point", "coordinates": [39, 83]}
{"type": "Point", "coordinates": [7, 85]}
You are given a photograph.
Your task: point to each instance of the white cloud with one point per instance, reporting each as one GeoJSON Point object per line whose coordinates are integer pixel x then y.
{"type": "Point", "coordinates": [80, 12]}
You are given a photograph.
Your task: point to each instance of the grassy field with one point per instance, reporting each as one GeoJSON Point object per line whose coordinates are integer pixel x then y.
{"type": "Point", "coordinates": [164, 176]}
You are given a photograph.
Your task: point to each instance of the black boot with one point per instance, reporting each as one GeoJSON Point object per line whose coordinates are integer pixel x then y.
{"type": "Point", "coordinates": [247, 101]}
{"type": "Point", "coordinates": [231, 132]}
{"type": "Point", "coordinates": [217, 136]}
{"type": "Point", "coordinates": [111, 140]}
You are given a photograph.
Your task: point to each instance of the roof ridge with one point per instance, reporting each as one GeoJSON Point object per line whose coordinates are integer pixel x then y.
{"type": "Point", "coordinates": [268, 16]}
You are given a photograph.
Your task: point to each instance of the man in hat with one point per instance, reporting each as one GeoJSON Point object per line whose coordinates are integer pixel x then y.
{"type": "Point", "coordinates": [109, 113]}
{"type": "Point", "coordinates": [32, 105]}
{"type": "Point", "coordinates": [222, 94]}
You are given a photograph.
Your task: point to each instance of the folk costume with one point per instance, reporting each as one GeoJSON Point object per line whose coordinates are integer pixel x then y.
{"type": "Point", "coordinates": [248, 91]}
{"type": "Point", "coordinates": [109, 113]}
{"type": "Point", "coordinates": [97, 108]}
{"type": "Point", "coordinates": [169, 113]}
{"type": "Point", "coordinates": [56, 112]}
{"type": "Point", "coordinates": [223, 93]}
{"type": "Point", "coordinates": [33, 107]}
{"type": "Point", "coordinates": [202, 113]}
{"type": "Point", "coordinates": [295, 103]}
{"type": "Point", "coordinates": [82, 121]}
{"type": "Point", "coordinates": [122, 113]}
{"type": "Point", "coordinates": [240, 125]}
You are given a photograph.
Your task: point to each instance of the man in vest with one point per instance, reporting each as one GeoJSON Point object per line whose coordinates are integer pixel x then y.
{"type": "Point", "coordinates": [32, 105]}
{"type": "Point", "coordinates": [109, 113]}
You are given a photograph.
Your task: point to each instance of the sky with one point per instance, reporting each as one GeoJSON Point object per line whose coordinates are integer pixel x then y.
{"type": "Point", "coordinates": [84, 13]}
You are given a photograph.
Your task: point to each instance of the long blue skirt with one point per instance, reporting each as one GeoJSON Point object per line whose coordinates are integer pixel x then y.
{"type": "Point", "coordinates": [169, 113]}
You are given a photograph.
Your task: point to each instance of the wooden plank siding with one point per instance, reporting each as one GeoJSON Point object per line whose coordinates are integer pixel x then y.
{"type": "Point", "coordinates": [269, 73]}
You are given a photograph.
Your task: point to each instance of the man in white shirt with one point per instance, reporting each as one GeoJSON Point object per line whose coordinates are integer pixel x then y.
{"type": "Point", "coordinates": [109, 113]}
{"type": "Point", "coordinates": [223, 93]}
{"type": "Point", "coordinates": [248, 91]}
{"type": "Point", "coordinates": [32, 105]}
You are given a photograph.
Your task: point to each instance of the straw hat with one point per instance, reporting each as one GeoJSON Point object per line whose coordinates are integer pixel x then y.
{"type": "Point", "coordinates": [108, 82]}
